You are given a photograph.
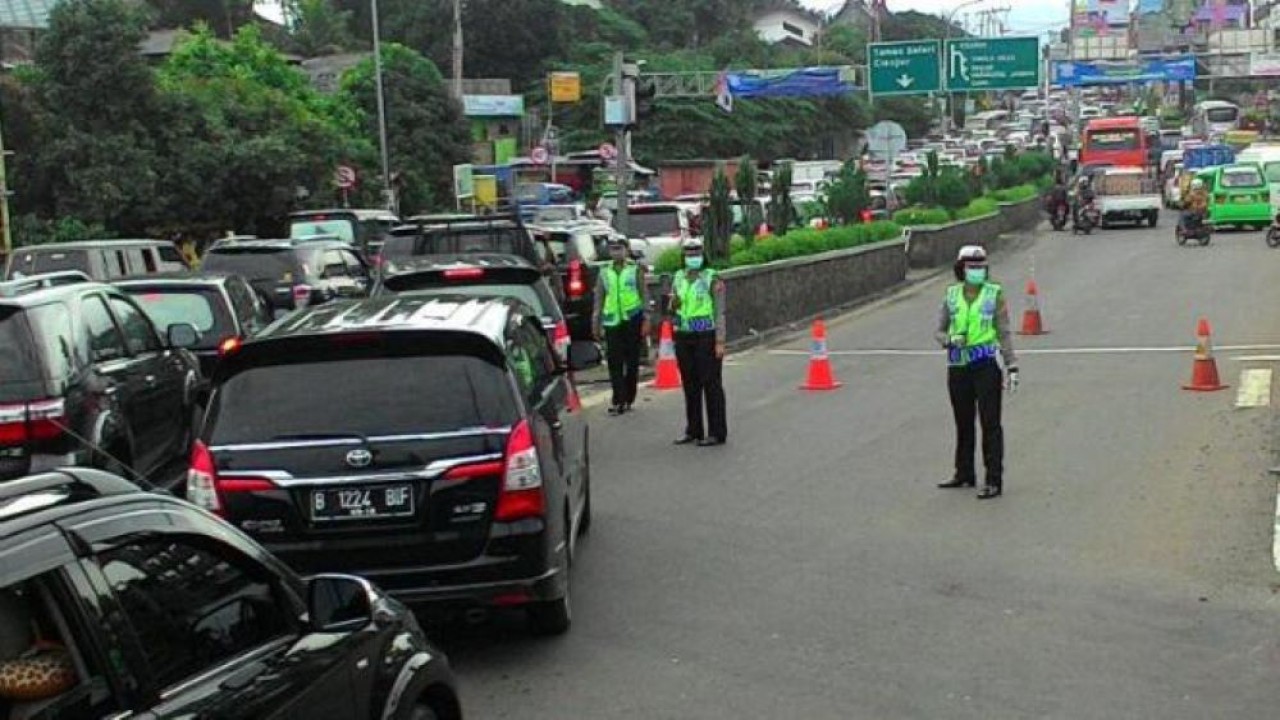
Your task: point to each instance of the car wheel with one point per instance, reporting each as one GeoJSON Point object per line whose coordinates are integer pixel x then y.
{"type": "Point", "coordinates": [553, 617]}
{"type": "Point", "coordinates": [422, 712]}
{"type": "Point", "coordinates": [584, 522]}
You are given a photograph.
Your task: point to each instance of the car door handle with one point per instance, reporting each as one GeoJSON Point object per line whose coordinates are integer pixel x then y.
{"type": "Point", "coordinates": [557, 425]}
{"type": "Point", "coordinates": [150, 380]}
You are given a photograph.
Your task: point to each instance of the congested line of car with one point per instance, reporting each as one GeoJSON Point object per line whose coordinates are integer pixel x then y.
{"type": "Point", "coordinates": [344, 431]}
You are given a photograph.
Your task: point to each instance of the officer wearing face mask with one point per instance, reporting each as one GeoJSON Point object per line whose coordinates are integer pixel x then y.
{"type": "Point", "coordinates": [619, 319]}
{"type": "Point", "coordinates": [973, 327]}
{"type": "Point", "coordinates": [698, 303]}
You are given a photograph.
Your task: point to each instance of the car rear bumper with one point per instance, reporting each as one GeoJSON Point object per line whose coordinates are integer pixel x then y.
{"type": "Point", "coordinates": [1247, 214]}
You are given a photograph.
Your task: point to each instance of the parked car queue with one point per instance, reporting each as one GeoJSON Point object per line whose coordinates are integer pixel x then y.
{"type": "Point", "coordinates": [284, 486]}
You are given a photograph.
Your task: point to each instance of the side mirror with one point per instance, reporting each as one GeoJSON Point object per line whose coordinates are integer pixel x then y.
{"type": "Point", "coordinates": [339, 603]}
{"type": "Point", "coordinates": [584, 355]}
{"type": "Point", "coordinates": [182, 335]}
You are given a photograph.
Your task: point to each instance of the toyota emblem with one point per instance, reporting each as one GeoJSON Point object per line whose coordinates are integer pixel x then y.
{"type": "Point", "coordinates": [359, 458]}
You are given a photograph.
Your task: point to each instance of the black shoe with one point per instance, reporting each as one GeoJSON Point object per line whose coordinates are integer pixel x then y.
{"type": "Point", "coordinates": [710, 442]}
{"type": "Point", "coordinates": [687, 440]}
{"type": "Point", "coordinates": [615, 410]}
{"type": "Point", "coordinates": [957, 483]}
{"type": "Point", "coordinates": [626, 407]}
{"type": "Point", "coordinates": [990, 491]}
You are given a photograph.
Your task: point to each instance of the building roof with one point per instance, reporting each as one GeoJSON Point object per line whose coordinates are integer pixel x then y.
{"type": "Point", "coordinates": [26, 13]}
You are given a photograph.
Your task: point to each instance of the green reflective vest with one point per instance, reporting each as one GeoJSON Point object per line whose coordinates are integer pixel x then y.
{"type": "Point", "coordinates": [621, 293]}
{"type": "Point", "coordinates": [975, 322]}
{"type": "Point", "coordinates": [697, 312]}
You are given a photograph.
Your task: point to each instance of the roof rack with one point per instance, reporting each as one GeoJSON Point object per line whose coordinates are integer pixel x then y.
{"type": "Point", "coordinates": [24, 285]}
{"type": "Point", "coordinates": [78, 484]}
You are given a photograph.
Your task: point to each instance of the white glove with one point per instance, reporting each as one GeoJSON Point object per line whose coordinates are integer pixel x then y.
{"type": "Point", "coordinates": [1011, 381]}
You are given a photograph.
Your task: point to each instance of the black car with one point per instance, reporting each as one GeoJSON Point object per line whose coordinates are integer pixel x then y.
{"type": "Point", "coordinates": [293, 273]}
{"type": "Point", "coordinates": [87, 380]}
{"type": "Point", "coordinates": [497, 234]}
{"type": "Point", "coordinates": [434, 445]}
{"type": "Point", "coordinates": [482, 276]}
{"type": "Point", "coordinates": [140, 605]}
{"type": "Point", "coordinates": [224, 309]}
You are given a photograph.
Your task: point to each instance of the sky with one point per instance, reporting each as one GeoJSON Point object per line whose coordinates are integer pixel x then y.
{"type": "Point", "coordinates": [1026, 17]}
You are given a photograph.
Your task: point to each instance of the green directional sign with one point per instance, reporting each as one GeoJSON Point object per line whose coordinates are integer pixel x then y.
{"type": "Point", "coordinates": [992, 63]}
{"type": "Point", "coordinates": [913, 67]}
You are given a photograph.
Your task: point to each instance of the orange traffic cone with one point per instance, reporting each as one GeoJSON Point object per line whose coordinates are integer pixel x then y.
{"type": "Point", "coordinates": [820, 375]}
{"type": "Point", "coordinates": [1204, 371]}
{"type": "Point", "coordinates": [1032, 324]}
{"type": "Point", "coordinates": [667, 375]}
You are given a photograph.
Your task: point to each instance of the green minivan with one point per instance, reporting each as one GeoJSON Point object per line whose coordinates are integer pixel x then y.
{"type": "Point", "coordinates": [1239, 195]}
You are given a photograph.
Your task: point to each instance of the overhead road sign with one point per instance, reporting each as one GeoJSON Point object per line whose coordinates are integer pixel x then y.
{"type": "Point", "coordinates": [912, 67]}
{"type": "Point", "coordinates": [992, 63]}
{"type": "Point", "coordinates": [1067, 73]}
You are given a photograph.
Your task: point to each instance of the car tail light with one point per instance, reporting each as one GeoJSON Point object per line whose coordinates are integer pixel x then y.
{"type": "Point", "coordinates": [1219, 198]}
{"type": "Point", "coordinates": [32, 422]}
{"type": "Point", "coordinates": [206, 489]}
{"type": "Point", "coordinates": [561, 340]}
{"type": "Point", "coordinates": [577, 286]}
{"type": "Point", "coordinates": [521, 493]}
{"type": "Point", "coordinates": [301, 296]}
{"type": "Point", "coordinates": [229, 345]}
{"type": "Point", "coordinates": [469, 273]}
{"type": "Point", "coordinates": [866, 216]}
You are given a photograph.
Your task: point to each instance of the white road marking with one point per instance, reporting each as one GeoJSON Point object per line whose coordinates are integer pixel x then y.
{"type": "Point", "coordinates": [1257, 358]}
{"type": "Point", "coordinates": [1255, 388]}
{"type": "Point", "coordinates": [885, 352]}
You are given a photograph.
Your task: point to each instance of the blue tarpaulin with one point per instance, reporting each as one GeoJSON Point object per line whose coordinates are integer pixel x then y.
{"type": "Point", "coordinates": [1069, 73]}
{"type": "Point", "coordinates": [804, 82]}
{"type": "Point", "coordinates": [1196, 158]}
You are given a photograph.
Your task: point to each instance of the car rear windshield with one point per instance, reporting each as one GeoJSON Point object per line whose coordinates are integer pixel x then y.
{"type": "Point", "coordinates": [1221, 115]}
{"type": "Point", "coordinates": [1113, 140]}
{"type": "Point", "coordinates": [201, 307]}
{"type": "Point", "coordinates": [20, 376]}
{"type": "Point", "coordinates": [47, 261]}
{"type": "Point", "coordinates": [369, 396]}
{"type": "Point", "coordinates": [433, 285]}
{"type": "Point", "coordinates": [645, 222]}
{"type": "Point", "coordinates": [344, 228]}
{"type": "Point", "coordinates": [252, 263]}
{"type": "Point", "coordinates": [1241, 178]}
{"type": "Point", "coordinates": [505, 241]}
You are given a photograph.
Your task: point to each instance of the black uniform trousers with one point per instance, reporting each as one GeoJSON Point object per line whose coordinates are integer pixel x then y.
{"type": "Point", "coordinates": [978, 389]}
{"type": "Point", "coordinates": [623, 343]}
{"type": "Point", "coordinates": [700, 376]}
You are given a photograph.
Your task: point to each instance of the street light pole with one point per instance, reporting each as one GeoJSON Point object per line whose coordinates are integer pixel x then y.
{"type": "Point", "coordinates": [946, 33]}
{"type": "Point", "coordinates": [457, 49]}
{"type": "Point", "coordinates": [388, 193]}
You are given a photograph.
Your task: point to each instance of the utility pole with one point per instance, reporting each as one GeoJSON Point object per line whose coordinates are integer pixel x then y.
{"type": "Point", "coordinates": [457, 49]}
{"type": "Point", "coordinates": [389, 193]}
{"type": "Point", "coordinates": [622, 142]}
{"type": "Point", "coordinates": [4, 202]}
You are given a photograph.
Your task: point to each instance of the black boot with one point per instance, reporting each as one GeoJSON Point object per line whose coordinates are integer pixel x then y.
{"type": "Point", "coordinates": [958, 482]}
{"type": "Point", "coordinates": [990, 490]}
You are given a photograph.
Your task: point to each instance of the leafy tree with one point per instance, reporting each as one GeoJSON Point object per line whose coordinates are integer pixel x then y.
{"type": "Point", "coordinates": [781, 210]}
{"type": "Point", "coordinates": [426, 132]}
{"type": "Point", "coordinates": [319, 28]}
{"type": "Point", "coordinates": [719, 225]}
{"type": "Point", "coordinates": [846, 196]}
{"type": "Point", "coordinates": [745, 185]}
{"type": "Point", "coordinates": [224, 16]}
{"type": "Point", "coordinates": [98, 156]}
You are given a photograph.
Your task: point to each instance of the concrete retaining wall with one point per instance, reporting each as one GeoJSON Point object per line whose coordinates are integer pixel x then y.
{"type": "Point", "coordinates": [933, 246]}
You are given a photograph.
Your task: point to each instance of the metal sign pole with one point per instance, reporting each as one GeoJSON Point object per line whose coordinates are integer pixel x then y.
{"type": "Point", "coordinates": [4, 202]}
{"type": "Point", "coordinates": [623, 145]}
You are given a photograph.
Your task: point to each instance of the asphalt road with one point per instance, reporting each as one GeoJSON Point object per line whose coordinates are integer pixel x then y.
{"type": "Point", "coordinates": [810, 569]}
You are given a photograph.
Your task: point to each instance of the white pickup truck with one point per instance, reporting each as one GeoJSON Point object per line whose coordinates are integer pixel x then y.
{"type": "Point", "coordinates": [1127, 195]}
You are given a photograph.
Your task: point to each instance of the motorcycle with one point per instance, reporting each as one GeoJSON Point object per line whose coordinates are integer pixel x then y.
{"type": "Point", "coordinates": [1193, 228]}
{"type": "Point", "coordinates": [1273, 233]}
{"type": "Point", "coordinates": [1058, 216]}
{"type": "Point", "coordinates": [1086, 219]}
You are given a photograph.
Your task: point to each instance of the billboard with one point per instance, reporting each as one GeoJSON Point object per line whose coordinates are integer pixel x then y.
{"type": "Point", "coordinates": [1096, 18]}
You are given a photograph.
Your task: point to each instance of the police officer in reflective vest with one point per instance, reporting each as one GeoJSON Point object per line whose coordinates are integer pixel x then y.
{"type": "Point", "coordinates": [973, 327]}
{"type": "Point", "coordinates": [619, 319]}
{"type": "Point", "coordinates": [697, 301]}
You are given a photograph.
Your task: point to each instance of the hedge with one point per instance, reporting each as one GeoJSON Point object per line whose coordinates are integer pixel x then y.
{"type": "Point", "coordinates": [912, 216]}
{"type": "Point", "coordinates": [979, 207]}
{"type": "Point", "coordinates": [805, 241]}
{"type": "Point", "coordinates": [1018, 193]}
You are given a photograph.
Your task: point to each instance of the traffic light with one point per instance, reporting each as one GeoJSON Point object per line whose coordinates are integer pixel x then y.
{"type": "Point", "coordinates": [646, 92]}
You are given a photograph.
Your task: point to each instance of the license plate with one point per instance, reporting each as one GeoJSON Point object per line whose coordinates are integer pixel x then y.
{"type": "Point", "coordinates": [362, 503]}
{"type": "Point", "coordinates": [1244, 199]}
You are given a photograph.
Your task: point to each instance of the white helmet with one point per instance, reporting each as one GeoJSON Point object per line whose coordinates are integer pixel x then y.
{"type": "Point", "coordinates": [1197, 184]}
{"type": "Point", "coordinates": [972, 254]}
{"type": "Point", "coordinates": [692, 244]}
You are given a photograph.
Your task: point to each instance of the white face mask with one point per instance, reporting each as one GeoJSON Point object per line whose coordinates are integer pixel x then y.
{"type": "Point", "coordinates": [975, 275]}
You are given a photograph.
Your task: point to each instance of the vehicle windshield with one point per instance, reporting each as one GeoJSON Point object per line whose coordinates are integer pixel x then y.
{"type": "Point", "coordinates": [1221, 115]}
{"type": "Point", "coordinates": [1272, 171]}
{"type": "Point", "coordinates": [201, 307]}
{"type": "Point", "coordinates": [20, 377]}
{"type": "Point", "coordinates": [343, 228]}
{"type": "Point", "coordinates": [274, 401]}
{"type": "Point", "coordinates": [655, 222]}
{"type": "Point", "coordinates": [47, 261]}
{"type": "Point", "coordinates": [1113, 140]}
{"type": "Point", "coordinates": [252, 263]}
{"type": "Point", "coordinates": [1241, 178]}
{"type": "Point", "coordinates": [432, 285]}
{"type": "Point", "coordinates": [559, 213]}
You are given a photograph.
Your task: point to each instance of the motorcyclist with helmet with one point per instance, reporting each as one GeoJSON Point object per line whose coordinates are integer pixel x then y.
{"type": "Point", "coordinates": [1084, 198]}
{"type": "Point", "coordinates": [1195, 206]}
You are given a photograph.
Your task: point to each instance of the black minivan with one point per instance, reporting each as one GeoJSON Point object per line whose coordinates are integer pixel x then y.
{"type": "Point", "coordinates": [432, 444]}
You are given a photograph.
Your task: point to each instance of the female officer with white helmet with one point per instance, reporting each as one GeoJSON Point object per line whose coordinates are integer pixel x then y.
{"type": "Point", "coordinates": [973, 326]}
{"type": "Point", "coordinates": [698, 303]}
